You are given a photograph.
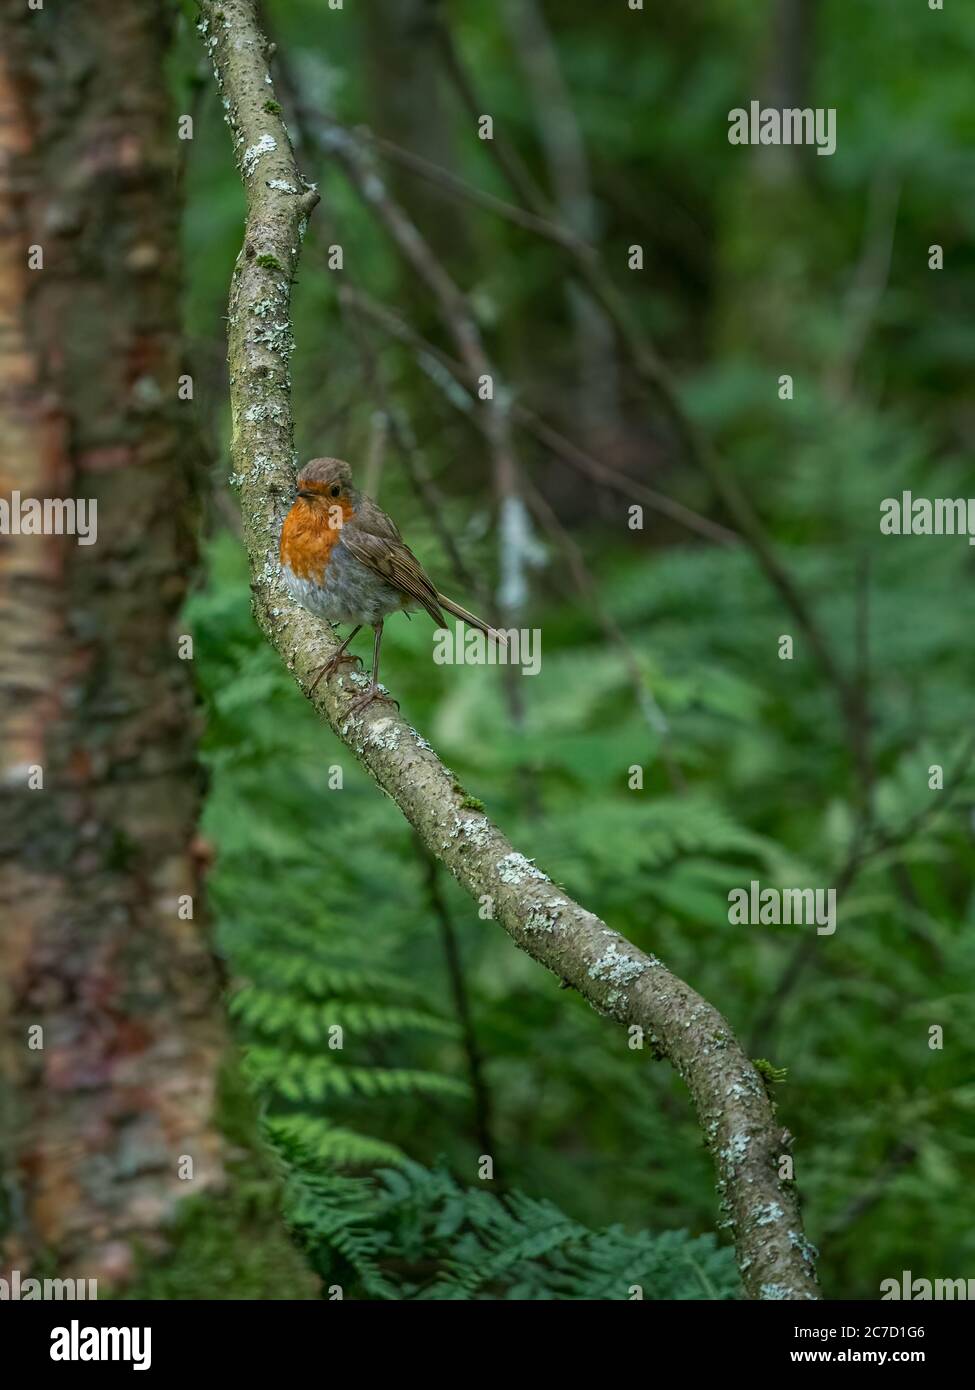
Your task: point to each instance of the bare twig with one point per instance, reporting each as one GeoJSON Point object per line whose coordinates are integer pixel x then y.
{"type": "Point", "coordinates": [869, 842]}
{"type": "Point", "coordinates": [376, 453]}
{"type": "Point", "coordinates": [405, 445]}
{"type": "Point", "coordinates": [869, 281]}
{"type": "Point", "coordinates": [546, 434]}
{"type": "Point", "coordinates": [510, 161]}
{"type": "Point", "coordinates": [461, 324]}
{"type": "Point", "coordinates": [597, 401]}
{"type": "Point", "coordinates": [458, 989]}
{"type": "Point", "coordinates": [587, 586]}
{"type": "Point", "coordinates": [654, 374]}
{"type": "Point", "coordinates": [454, 186]}
{"type": "Point", "coordinates": [398, 427]}
{"type": "Point", "coordinates": [901, 1154]}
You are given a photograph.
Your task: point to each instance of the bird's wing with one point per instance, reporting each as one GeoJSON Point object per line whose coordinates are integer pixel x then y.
{"type": "Point", "coordinates": [373, 539]}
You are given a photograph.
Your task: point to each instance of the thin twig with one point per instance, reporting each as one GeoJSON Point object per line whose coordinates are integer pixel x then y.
{"type": "Point", "coordinates": [657, 378]}
{"type": "Point", "coordinates": [458, 988]}
{"type": "Point", "coordinates": [587, 586]}
{"type": "Point", "coordinates": [543, 432]}
{"type": "Point", "coordinates": [869, 841]}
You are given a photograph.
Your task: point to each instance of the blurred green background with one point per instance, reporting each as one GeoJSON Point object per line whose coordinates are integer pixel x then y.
{"type": "Point", "coordinates": [756, 264]}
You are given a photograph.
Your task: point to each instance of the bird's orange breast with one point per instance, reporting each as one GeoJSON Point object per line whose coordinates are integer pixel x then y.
{"type": "Point", "coordinates": [310, 532]}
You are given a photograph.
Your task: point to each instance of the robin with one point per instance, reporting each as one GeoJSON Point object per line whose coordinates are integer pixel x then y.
{"type": "Point", "coordinates": [345, 561]}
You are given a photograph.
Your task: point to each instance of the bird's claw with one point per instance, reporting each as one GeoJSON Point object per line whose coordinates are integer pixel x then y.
{"type": "Point", "coordinates": [327, 671]}
{"type": "Point", "coordinates": [375, 692]}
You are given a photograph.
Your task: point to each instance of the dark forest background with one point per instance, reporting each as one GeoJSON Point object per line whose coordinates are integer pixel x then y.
{"type": "Point", "coordinates": [660, 646]}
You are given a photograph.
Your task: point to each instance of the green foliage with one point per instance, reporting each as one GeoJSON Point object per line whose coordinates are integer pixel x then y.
{"type": "Point", "coordinates": [771, 1075]}
{"type": "Point", "coordinates": [323, 907]}
{"type": "Point", "coordinates": [317, 1140]}
{"type": "Point", "coordinates": [463, 1243]}
{"type": "Point", "coordinates": [319, 1020]}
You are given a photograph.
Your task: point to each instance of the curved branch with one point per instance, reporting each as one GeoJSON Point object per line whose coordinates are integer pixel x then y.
{"type": "Point", "coordinates": [619, 981]}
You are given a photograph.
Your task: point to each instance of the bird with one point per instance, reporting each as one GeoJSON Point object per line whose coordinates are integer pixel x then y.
{"type": "Point", "coordinates": [343, 559]}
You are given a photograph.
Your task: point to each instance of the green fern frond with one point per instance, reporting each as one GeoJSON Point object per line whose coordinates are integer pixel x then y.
{"type": "Point", "coordinates": [274, 1013]}
{"type": "Point", "coordinates": [305, 1139]}
{"type": "Point", "coordinates": [412, 1232]}
{"type": "Point", "coordinates": [293, 966]}
{"type": "Point", "coordinates": [299, 1077]}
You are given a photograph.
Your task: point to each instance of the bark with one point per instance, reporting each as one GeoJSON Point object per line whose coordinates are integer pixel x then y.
{"type": "Point", "coordinates": [626, 985]}
{"type": "Point", "coordinates": [98, 864]}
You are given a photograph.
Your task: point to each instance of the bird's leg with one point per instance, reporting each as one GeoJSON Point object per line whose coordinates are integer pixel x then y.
{"type": "Point", "coordinates": [331, 665]}
{"type": "Point", "coordinates": [373, 692]}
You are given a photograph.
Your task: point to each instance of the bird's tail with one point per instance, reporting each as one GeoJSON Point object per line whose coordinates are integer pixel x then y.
{"type": "Point", "coordinates": [471, 619]}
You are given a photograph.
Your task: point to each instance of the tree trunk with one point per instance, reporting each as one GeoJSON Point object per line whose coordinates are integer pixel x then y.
{"type": "Point", "coordinates": [101, 946]}
{"type": "Point", "coordinates": [404, 85]}
{"type": "Point", "coordinates": [764, 270]}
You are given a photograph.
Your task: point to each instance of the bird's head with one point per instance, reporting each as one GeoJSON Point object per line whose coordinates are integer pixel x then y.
{"type": "Point", "coordinates": [327, 483]}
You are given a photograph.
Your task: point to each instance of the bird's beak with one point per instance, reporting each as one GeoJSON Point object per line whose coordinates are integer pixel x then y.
{"type": "Point", "coordinates": [302, 493]}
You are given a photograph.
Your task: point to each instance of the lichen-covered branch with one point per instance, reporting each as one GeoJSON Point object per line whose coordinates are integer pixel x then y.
{"type": "Point", "coordinates": [621, 982]}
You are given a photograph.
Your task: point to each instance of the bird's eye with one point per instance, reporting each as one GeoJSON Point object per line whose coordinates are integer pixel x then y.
{"type": "Point", "coordinates": [335, 489]}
